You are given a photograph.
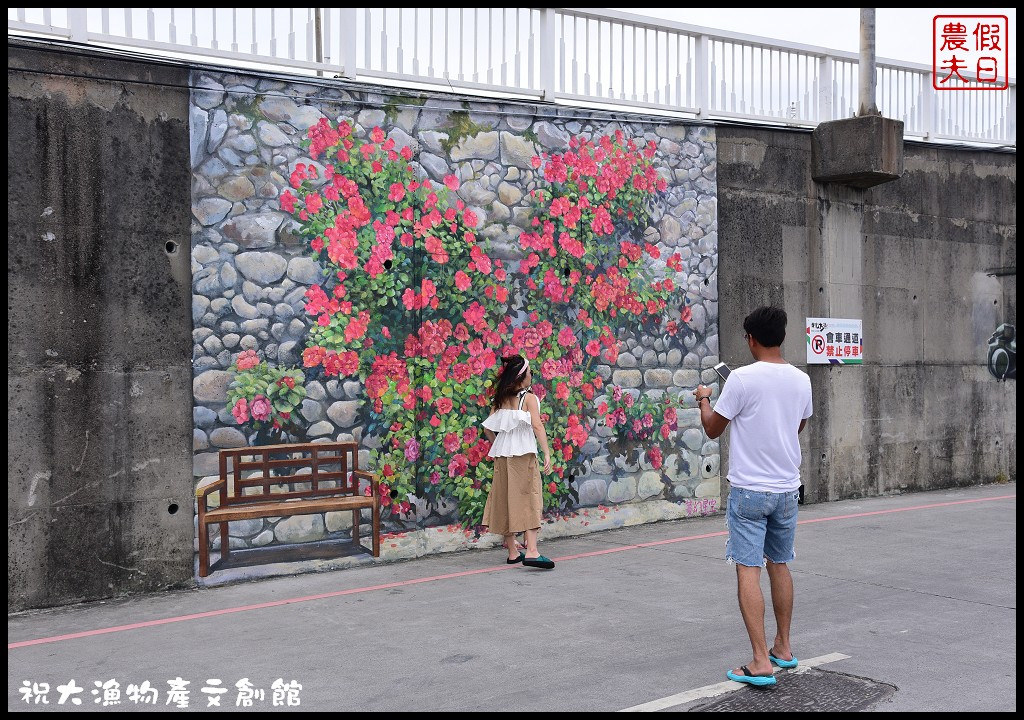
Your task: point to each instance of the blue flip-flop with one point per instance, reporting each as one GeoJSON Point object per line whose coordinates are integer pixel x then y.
{"type": "Point", "coordinates": [750, 678]}
{"type": "Point", "coordinates": [783, 663]}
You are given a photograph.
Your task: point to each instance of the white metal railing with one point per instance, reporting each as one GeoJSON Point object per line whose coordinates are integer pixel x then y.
{"type": "Point", "coordinates": [567, 54]}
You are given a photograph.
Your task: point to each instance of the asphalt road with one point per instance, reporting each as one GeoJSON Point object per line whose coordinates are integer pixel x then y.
{"type": "Point", "coordinates": [919, 591]}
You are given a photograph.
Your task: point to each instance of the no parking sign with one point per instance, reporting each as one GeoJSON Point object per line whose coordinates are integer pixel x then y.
{"type": "Point", "coordinates": [834, 341]}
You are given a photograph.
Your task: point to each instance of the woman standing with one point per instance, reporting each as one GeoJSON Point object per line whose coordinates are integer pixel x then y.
{"type": "Point", "coordinates": [515, 502]}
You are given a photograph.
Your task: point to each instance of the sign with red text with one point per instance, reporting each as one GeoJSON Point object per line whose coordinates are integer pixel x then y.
{"type": "Point", "coordinates": [970, 52]}
{"type": "Point", "coordinates": [834, 341]}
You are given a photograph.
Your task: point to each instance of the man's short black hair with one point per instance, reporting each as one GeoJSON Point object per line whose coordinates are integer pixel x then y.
{"type": "Point", "coordinates": [767, 325]}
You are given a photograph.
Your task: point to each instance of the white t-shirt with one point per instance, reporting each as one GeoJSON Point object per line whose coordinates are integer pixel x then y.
{"type": "Point", "coordinates": [765, 403]}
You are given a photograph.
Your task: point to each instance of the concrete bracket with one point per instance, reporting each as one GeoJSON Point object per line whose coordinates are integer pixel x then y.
{"type": "Point", "coordinates": [860, 152]}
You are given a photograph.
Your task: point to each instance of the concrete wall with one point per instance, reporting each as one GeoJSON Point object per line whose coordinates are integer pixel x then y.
{"type": "Point", "coordinates": [99, 380]}
{"type": "Point", "coordinates": [908, 257]}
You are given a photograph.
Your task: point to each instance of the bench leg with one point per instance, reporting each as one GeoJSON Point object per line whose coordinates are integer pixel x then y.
{"type": "Point", "coordinates": [376, 528]}
{"type": "Point", "coordinates": [204, 549]}
{"type": "Point", "coordinates": [355, 525]}
{"type": "Point", "coordinates": [225, 541]}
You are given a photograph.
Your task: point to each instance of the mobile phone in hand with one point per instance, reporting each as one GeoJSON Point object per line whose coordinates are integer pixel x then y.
{"type": "Point", "coordinates": [723, 371]}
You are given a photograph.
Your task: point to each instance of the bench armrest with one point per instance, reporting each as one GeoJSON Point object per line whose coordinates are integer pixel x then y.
{"type": "Point", "coordinates": [374, 483]}
{"type": "Point", "coordinates": [201, 492]}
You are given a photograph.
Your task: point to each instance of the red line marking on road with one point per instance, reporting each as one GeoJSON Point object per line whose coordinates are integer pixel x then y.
{"type": "Point", "coordinates": [653, 543]}
{"type": "Point", "coordinates": [915, 507]}
{"type": "Point", "coordinates": [449, 576]}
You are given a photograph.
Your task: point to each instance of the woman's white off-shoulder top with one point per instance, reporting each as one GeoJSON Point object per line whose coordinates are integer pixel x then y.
{"type": "Point", "coordinates": [514, 431]}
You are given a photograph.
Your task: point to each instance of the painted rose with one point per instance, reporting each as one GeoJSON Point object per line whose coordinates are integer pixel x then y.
{"type": "Point", "coordinates": [396, 192]}
{"type": "Point", "coordinates": [288, 201]}
{"type": "Point", "coordinates": [412, 450]}
{"type": "Point", "coordinates": [654, 457]}
{"type": "Point", "coordinates": [260, 408]}
{"type": "Point", "coordinates": [458, 465]}
{"type": "Point", "coordinates": [452, 442]}
{"type": "Point", "coordinates": [241, 411]}
{"type": "Point", "coordinates": [247, 359]}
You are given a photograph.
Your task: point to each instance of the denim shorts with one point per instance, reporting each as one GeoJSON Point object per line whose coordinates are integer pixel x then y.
{"type": "Point", "coordinates": [762, 526]}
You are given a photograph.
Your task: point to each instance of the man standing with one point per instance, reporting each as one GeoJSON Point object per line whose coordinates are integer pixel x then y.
{"type": "Point", "coordinates": [768, 403]}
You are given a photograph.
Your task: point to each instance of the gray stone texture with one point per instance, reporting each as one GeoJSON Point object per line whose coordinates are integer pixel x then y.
{"type": "Point", "coordinates": [299, 528]}
{"type": "Point", "coordinates": [264, 268]}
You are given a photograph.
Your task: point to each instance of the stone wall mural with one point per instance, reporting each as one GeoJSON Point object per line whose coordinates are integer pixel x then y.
{"type": "Point", "coordinates": [361, 263]}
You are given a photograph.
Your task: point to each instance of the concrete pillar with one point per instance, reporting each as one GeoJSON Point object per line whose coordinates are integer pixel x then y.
{"type": "Point", "coordinates": [868, 103]}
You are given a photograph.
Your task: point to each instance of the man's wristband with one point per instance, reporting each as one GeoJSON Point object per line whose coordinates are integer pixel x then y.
{"type": "Point", "coordinates": [703, 397]}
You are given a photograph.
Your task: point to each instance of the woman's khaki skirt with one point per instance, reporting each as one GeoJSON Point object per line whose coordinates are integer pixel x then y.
{"type": "Point", "coordinates": [515, 502]}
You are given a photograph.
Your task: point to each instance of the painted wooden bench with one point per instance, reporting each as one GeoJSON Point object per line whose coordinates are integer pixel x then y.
{"type": "Point", "coordinates": [282, 481]}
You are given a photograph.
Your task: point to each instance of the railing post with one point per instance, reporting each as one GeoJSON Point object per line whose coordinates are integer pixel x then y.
{"type": "Point", "coordinates": [825, 83]}
{"type": "Point", "coordinates": [1011, 117]}
{"type": "Point", "coordinates": [702, 76]}
{"type": "Point", "coordinates": [547, 53]}
{"type": "Point", "coordinates": [78, 24]}
{"type": "Point", "coordinates": [928, 106]}
{"type": "Point", "coordinates": [347, 27]}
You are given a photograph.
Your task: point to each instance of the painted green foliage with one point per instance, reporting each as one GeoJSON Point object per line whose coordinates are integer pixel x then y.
{"type": "Point", "coordinates": [415, 307]}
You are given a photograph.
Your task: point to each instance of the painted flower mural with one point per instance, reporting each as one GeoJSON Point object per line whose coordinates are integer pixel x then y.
{"type": "Point", "coordinates": [359, 270]}
{"type": "Point", "coordinates": [265, 398]}
{"type": "Point", "coordinates": [390, 240]}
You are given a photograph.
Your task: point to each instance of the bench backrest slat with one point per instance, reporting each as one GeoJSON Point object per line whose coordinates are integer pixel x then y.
{"type": "Point", "coordinates": [283, 467]}
{"type": "Point", "coordinates": [344, 471]}
{"type": "Point", "coordinates": [266, 473]}
{"type": "Point", "coordinates": [297, 478]}
{"type": "Point", "coordinates": [314, 471]}
{"type": "Point", "coordinates": [236, 487]}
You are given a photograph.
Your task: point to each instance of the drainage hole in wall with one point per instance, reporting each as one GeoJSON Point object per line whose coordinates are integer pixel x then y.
{"type": "Point", "coordinates": [821, 289]}
{"type": "Point", "coordinates": [915, 297]}
{"type": "Point", "coordinates": [388, 264]}
{"type": "Point", "coordinates": [995, 302]}
{"type": "Point", "coordinates": [170, 247]}
{"type": "Point", "coordinates": [172, 508]}
{"type": "Point", "coordinates": [708, 467]}
{"type": "Point", "coordinates": [706, 281]}
{"type": "Point", "coordinates": [915, 448]}
{"type": "Point", "coordinates": [823, 456]}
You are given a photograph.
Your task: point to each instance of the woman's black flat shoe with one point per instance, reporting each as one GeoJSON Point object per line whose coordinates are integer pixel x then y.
{"type": "Point", "coordinates": [517, 560]}
{"type": "Point", "coordinates": [539, 562]}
